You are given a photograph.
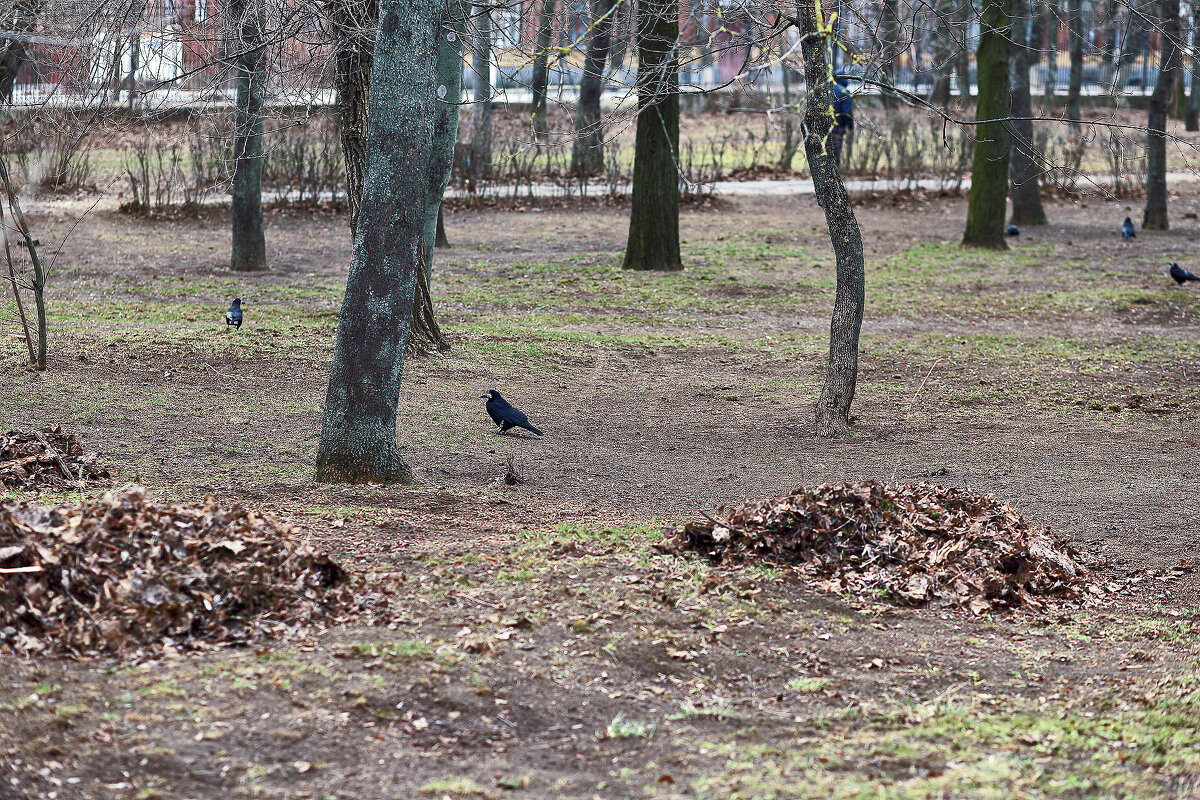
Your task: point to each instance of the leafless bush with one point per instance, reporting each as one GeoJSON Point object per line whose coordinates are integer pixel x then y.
{"type": "Point", "coordinates": [51, 150]}
{"type": "Point", "coordinates": [304, 160]}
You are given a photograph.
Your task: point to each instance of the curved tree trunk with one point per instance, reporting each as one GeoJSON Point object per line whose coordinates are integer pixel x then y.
{"type": "Point", "coordinates": [989, 171]}
{"type": "Point", "coordinates": [541, 69]}
{"type": "Point", "coordinates": [1075, 84]}
{"type": "Point", "coordinates": [1155, 216]}
{"type": "Point", "coordinates": [841, 377]}
{"type": "Point", "coordinates": [587, 152]}
{"type": "Point", "coordinates": [354, 25]}
{"type": "Point", "coordinates": [654, 215]}
{"type": "Point", "coordinates": [1026, 195]}
{"type": "Point", "coordinates": [249, 241]}
{"type": "Point", "coordinates": [358, 429]}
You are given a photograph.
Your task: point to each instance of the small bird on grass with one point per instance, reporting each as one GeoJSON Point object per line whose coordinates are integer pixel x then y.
{"type": "Point", "coordinates": [1127, 230]}
{"type": "Point", "coordinates": [506, 415]}
{"type": "Point", "coordinates": [234, 315]}
{"type": "Point", "coordinates": [1013, 230]}
{"type": "Point", "coordinates": [1181, 275]}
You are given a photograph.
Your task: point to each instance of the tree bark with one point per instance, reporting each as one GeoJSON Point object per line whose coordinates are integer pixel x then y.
{"type": "Point", "coordinates": [1108, 48]}
{"type": "Point", "coordinates": [889, 46]}
{"type": "Point", "coordinates": [439, 237]}
{"type": "Point", "coordinates": [541, 69]}
{"type": "Point", "coordinates": [945, 51]}
{"type": "Point", "coordinates": [1050, 88]}
{"type": "Point", "coordinates": [1075, 84]}
{"type": "Point", "coordinates": [962, 64]}
{"type": "Point", "coordinates": [426, 335]}
{"type": "Point", "coordinates": [587, 152]}
{"type": "Point", "coordinates": [354, 23]}
{"type": "Point", "coordinates": [358, 429]}
{"type": "Point", "coordinates": [22, 17]}
{"type": "Point", "coordinates": [654, 215]}
{"type": "Point", "coordinates": [1155, 216]}
{"type": "Point", "coordinates": [481, 116]}
{"type": "Point", "coordinates": [249, 242]}
{"type": "Point", "coordinates": [1026, 195]}
{"type": "Point", "coordinates": [989, 171]}
{"type": "Point", "coordinates": [1191, 117]}
{"type": "Point", "coordinates": [841, 376]}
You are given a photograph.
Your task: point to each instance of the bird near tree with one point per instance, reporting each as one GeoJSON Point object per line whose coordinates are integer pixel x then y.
{"type": "Point", "coordinates": [1127, 230]}
{"type": "Point", "coordinates": [506, 415]}
{"type": "Point", "coordinates": [234, 315]}
{"type": "Point", "coordinates": [1181, 275]}
{"type": "Point", "coordinates": [1013, 230]}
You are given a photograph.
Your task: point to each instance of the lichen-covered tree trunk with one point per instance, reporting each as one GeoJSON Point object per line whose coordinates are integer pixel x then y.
{"type": "Point", "coordinates": [541, 69]}
{"type": "Point", "coordinates": [654, 214]}
{"type": "Point", "coordinates": [1155, 216]}
{"type": "Point", "coordinates": [841, 376]}
{"type": "Point", "coordinates": [354, 23]}
{"type": "Point", "coordinates": [481, 115]}
{"type": "Point", "coordinates": [426, 335]}
{"type": "Point", "coordinates": [1026, 195]}
{"type": "Point", "coordinates": [989, 170]}
{"type": "Point", "coordinates": [249, 250]}
{"type": "Point", "coordinates": [1075, 82]}
{"type": "Point", "coordinates": [358, 429]}
{"type": "Point", "coordinates": [1191, 117]}
{"type": "Point", "coordinates": [587, 152]}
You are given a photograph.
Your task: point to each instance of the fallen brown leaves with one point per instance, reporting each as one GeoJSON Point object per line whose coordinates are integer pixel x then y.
{"type": "Point", "coordinates": [917, 544]}
{"type": "Point", "coordinates": [50, 458]}
{"type": "Point", "coordinates": [126, 574]}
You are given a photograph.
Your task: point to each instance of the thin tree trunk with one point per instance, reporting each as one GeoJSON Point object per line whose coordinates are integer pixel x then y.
{"type": "Point", "coordinates": [481, 116]}
{"type": "Point", "coordinates": [425, 336]}
{"type": "Point", "coordinates": [1075, 85]}
{"type": "Point", "coordinates": [38, 284]}
{"type": "Point", "coordinates": [354, 24]}
{"type": "Point", "coordinates": [1050, 88]}
{"type": "Point", "coordinates": [841, 377]}
{"type": "Point", "coordinates": [541, 69]}
{"type": "Point", "coordinates": [1108, 49]}
{"type": "Point", "coordinates": [12, 279]}
{"type": "Point", "coordinates": [1155, 217]}
{"type": "Point", "coordinates": [945, 50]}
{"type": "Point", "coordinates": [962, 65]}
{"type": "Point", "coordinates": [1026, 196]}
{"type": "Point", "coordinates": [358, 429]}
{"type": "Point", "coordinates": [1137, 38]}
{"type": "Point", "coordinates": [1191, 118]}
{"type": "Point", "coordinates": [654, 213]}
{"type": "Point", "coordinates": [889, 47]}
{"type": "Point", "coordinates": [587, 152]}
{"type": "Point", "coordinates": [989, 171]}
{"type": "Point", "coordinates": [249, 241]}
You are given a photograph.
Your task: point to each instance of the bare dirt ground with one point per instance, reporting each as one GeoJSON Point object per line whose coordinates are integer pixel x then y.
{"type": "Point", "coordinates": [549, 651]}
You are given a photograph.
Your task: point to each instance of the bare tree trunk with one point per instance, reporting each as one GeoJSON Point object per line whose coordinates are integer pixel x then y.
{"type": "Point", "coordinates": [358, 430]}
{"type": "Point", "coordinates": [989, 171]}
{"type": "Point", "coordinates": [945, 50]}
{"type": "Point", "coordinates": [1075, 85]}
{"type": "Point", "coordinates": [249, 241]}
{"type": "Point", "coordinates": [587, 153]}
{"type": "Point", "coordinates": [962, 65]}
{"type": "Point", "coordinates": [1108, 48]}
{"type": "Point", "coordinates": [22, 17]}
{"type": "Point", "coordinates": [1026, 196]}
{"type": "Point", "coordinates": [654, 212]}
{"type": "Point", "coordinates": [1050, 88]}
{"type": "Point", "coordinates": [38, 284]}
{"type": "Point", "coordinates": [841, 377]}
{"type": "Point", "coordinates": [1191, 115]}
{"type": "Point", "coordinates": [481, 117]}
{"type": "Point", "coordinates": [439, 237]}
{"type": "Point", "coordinates": [541, 69]}
{"type": "Point", "coordinates": [1155, 216]}
{"type": "Point", "coordinates": [889, 47]}
{"type": "Point", "coordinates": [12, 279]}
{"type": "Point", "coordinates": [354, 23]}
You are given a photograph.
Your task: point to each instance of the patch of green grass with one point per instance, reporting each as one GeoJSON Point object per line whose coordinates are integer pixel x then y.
{"type": "Point", "coordinates": [622, 728]}
{"type": "Point", "coordinates": [455, 787]}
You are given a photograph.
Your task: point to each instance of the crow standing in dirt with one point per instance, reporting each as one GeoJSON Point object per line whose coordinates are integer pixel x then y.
{"type": "Point", "coordinates": [1127, 230]}
{"type": "Point", "coordinates": [234, 315]}
{"type": "Point", "coordinates": [1181, 275]}
{"type": "Point", "coordinates": [505, 414]}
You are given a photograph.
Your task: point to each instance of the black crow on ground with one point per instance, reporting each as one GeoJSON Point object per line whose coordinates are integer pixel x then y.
{"type": "Point", "coordinates": [1127, 230]}
{"type": "Point", "coordinates": [1013, 230]}
{"type": "Point", "coordinates": [1181, 275]}
{"type": "Point", "coordinates": [506, 415]}
{"type": "Point", "coordinates": [234, 315]}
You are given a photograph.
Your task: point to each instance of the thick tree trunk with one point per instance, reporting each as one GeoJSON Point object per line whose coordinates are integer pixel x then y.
{"type": "Point", "coordinates": [1052, 25]}
{"type": "Point", "coordinates": [439, 237]}
{"type": "Point", "coordinates": [1026, 196]}
{"type": "Point", "coordinates": [989, 171]}
{"type": "Point", "coordinates": [1191, 117]}
{"type": "Point", "coordinates": [358, 429]}
{"type": "Point", "coordinates": [1075, 84]}
{"type": "Point", "coordinates": [249, 242]}
{"type": "Point", "coordinates": [1155, 217]}
{"type": "Point", "coordinates": [841, 377]}
{"type": "Point", "coordinates": [354, 24]}
{"type": "Point", "coordinates": [587, 152]}
{"type": "Point", "coordinates": [654, 215]}
{"type": "Point", "coordinates": [481, 116]}
{"type": "Point", "coordinates": [541, 69]}
{"type": "Point", "coordinates": [426, 336]}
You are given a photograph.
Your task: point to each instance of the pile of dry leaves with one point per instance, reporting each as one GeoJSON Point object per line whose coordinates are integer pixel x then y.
{"type": "Point", "coordinates": [125, 573]}
{"type": "Point", "coordinates": [918, 544]}
{"type": "Point", "coordinates": [50, 458]}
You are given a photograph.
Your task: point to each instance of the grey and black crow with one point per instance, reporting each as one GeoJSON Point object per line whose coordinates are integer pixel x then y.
{"type": "Point", "coordinates": [234, 315]}
{"type": "Point", "coordinates": [506, 415]}
{"type": "Point", "coordinates": [1013, 230]}
{"type": "Point", "coordinates": [1127, 231]}
{"type": "Point", "coordinates": [1181, 275]}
